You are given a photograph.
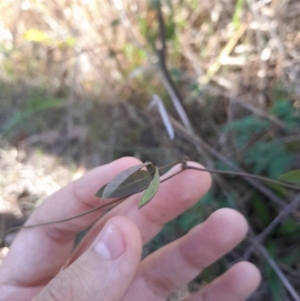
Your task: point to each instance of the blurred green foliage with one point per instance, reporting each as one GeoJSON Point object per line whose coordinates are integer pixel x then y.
{"type": "Point", "coordinates": [244, 128]}
{"type": "Point", "coordinates": [271, 157]}
{"type": "Point", "coordinates": [237, 16]}
{"type": "Point", "coordinates": [284, 110]}
{"type": "Point", "coordinates": [259, 151]}
{"type": "Point", "coordinates": [265, 154]}
{"type": "Point", "coordinates": [19, 117]}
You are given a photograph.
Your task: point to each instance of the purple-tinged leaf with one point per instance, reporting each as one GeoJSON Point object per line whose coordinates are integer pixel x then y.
{"type": "Point", "coordinates": [135, 183]}
{"type": "Point", "coordinates": [116, 182]}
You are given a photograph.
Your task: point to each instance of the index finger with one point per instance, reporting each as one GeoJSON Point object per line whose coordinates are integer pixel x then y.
{"type": "Point", "coordinates": [37, 254]}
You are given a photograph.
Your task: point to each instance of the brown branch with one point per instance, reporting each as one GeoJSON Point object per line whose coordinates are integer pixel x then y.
{"type": "Point", "coordinates": [83, 213]}
{"type": "Point", "coordinates": [266, 115]}
{"type": "Point", "coordinates": [165, 76]}
{"type": "Point", "coordinates": [197, 141]}
{"type": "Point", "coordinates": [290, 208]}
{"type": "Point", "coordinates": [65, 219]}
{"type": "Point", "coordinates": [184, 167]}
{"type": "Point", "coordinates": [246, 175]}
{"type": "Point", "coordinates": [262, 250]}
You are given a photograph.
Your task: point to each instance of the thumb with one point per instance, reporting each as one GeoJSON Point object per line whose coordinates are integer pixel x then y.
{"type": "Point", "coordinates": [104, 271]}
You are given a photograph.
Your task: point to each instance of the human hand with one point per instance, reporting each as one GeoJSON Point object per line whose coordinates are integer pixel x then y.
{"type": "Point", "coordinates": [107, 264]}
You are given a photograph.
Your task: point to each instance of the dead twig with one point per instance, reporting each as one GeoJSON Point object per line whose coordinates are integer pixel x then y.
{"type": "Point", "coordinates": [262, 250]}
{"type": "Point", "coordinates": [165, 76]}
{"type": "Point", "coordinates": [197, 141]}
{"type": "Point", "coordinates": [290, 208]}
{"type": "Point", "coordinates": [214, 68]}
{"type": "Point", "coordinates": [264, 114]}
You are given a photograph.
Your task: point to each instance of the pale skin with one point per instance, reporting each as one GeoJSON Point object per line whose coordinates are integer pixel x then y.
{"type": "Point", "coordinates": [107, 264]}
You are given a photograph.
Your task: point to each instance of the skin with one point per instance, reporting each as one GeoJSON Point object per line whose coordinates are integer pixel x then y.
{"type": "Point", "coordinates": [107, 264]}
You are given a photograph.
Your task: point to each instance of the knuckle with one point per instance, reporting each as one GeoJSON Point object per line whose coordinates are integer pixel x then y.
{"type": "Point", "coordinates": [59, 289]}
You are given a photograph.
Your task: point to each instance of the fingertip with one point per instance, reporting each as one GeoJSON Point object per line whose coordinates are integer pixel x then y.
{"type": "Point", "coordinates": [202, 171]}
{"type": "Point", "coordinates": [195, 181]}
{"type": "Point", "coordinates": [241, 280]}
{"type": "Point", "coordinates": [230, 221]}
{"type": "Point", "coordinates": [195, 169]}
{"type": "Point", "coordinates": [125, 162]}
{"type": "Point", "coordinates": [238, 283]}
{"type": "Point", "coordinates": [249, 273]}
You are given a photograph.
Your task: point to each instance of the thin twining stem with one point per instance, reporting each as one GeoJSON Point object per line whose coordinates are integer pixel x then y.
{"type": "Point", "coordinates": [244, 174]}
{"type": "Point", "coordinates": [65, 219]}
{"type": "Point", "coordinates": [235, 173]}
{"type": "Point", "coordinates": [275, 267]}
{"type": "Point", "coordinates": [184, 167]}
{"type": "Point", "coordinates": [117, 201]}
{"type": "Point", "coordinates": [290, 208]}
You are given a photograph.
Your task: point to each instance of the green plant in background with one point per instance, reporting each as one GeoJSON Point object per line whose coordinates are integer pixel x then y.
{"type": "Point", "coordinates": [237, 15]}
{"type": "Point", "coordinates": [260, 150]}
{"type": "Point", "coordinates": [33, 107]}
{"type": "Point", "coordinates": [270, 157]}
{"type": "Point", "coordinates": [274, 283]}
{"type": "Point", "coordinates": [284, 110]}
{"type": "Point", "coordinates": [42, 37]}
{"type": "Point", "coordinates": [245, 128]}
{"type": "Point", "coordinates": [264, 155]}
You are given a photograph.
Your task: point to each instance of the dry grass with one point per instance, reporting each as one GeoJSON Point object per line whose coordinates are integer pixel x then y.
{"type": "Point", "coordinates": [99, 47]}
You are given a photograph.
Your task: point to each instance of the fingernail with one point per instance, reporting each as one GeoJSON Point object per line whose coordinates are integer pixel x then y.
{"type": "Point", "coordinates": [111, 243]}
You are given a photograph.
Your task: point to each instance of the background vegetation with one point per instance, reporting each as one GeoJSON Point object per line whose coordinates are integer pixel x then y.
{"type": "Point", "coordinates": [76, 78]}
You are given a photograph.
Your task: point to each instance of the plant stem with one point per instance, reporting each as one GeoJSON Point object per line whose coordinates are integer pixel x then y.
{"type": "Point", "coordinates": [184, 167]}
{"type": "Point", "coordinates": [65, 219]}
{"type": "Point", "coordinates": [244, 174]}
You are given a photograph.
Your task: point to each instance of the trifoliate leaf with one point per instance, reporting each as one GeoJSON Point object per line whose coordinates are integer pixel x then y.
{"type": "Point", "coordinates": [135, 183]}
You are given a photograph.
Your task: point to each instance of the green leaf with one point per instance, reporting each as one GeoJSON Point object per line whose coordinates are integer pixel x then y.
{"type": "Point", "coordinates": [115, 22]}
{"type": "Point", "coordinates": [270, 156]}
{"type": "Point", "coordinates": [292, 176]}
{"type": "Point", "coordinates": [272, 280]}
{"type": "Point", "coordinates": [116, 182]}
{"type": "Point", "coordinates": [151, 190]}
{"type": "Point", "coordinates": [135, 183]}
{"type": "Point", "coordinates": [262, 210]}
{"type": "Point", "coordinates": [289, 226]}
